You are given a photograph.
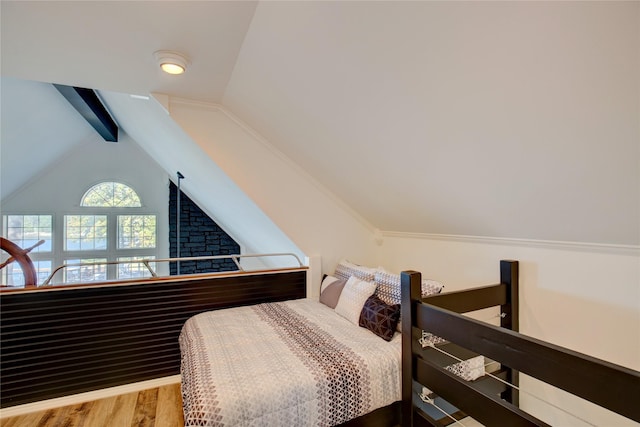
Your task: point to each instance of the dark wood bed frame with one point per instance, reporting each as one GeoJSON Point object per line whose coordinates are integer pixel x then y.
{"type": "Point", "coordinates": [487, 400]}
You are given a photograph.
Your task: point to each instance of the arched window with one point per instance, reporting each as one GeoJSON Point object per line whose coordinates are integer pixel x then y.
{"type": "Point", "coordinates": [111, 195]}
{"type": "Point", "coordinates": [112, 226]}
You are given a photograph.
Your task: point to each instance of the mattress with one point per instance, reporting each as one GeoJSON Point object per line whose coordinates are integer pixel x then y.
{"type": "Point", "coordinates": [289, 363]}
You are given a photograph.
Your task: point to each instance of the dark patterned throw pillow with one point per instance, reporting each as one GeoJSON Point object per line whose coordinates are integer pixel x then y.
{"type": "Point", "coordinates": [379, 317]}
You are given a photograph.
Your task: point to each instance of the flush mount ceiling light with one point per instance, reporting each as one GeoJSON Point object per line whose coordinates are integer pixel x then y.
{"type": "Point", "coordinates": [171, 62]}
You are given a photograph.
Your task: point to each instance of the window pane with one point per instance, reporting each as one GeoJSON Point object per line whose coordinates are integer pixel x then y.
{"type": "Point", "coordinates": [43, 270]}
{"type": "Point", "coordinates": [72, 245]}
{"type": "Point", "coordinates": [12, 274]}
{"type": "Point", "coordinates": [87, 221]}
{"type": "Point", "coordinates": [136, 231]}
{"type": "Point", "coordinates": [85, 273]}
{"type": "Point", "coordinates": [85, 232]}
{"type": "Point", "coordinates": [111, 194]}
{"type": "Point", "coordinates": [27, 230]}
{"type": "Point", "coordinates": [135, 269]}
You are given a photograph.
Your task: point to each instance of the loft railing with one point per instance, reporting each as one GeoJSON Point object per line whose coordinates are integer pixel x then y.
{"type": "Point", "coordinates": [147, 262]}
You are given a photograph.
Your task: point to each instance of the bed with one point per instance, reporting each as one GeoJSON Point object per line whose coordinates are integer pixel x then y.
{"type": "Point", "coordinates": [336, 361]}
{"type": "Point", "coordinates": [289, 363]}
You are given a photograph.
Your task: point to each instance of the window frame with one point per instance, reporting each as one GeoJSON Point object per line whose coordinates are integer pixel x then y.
{"type": "Point", "coordinates": [37, 256]}
{"type": "Point", "coordinates": [112, 252]}
{"type": "Point", "coordinates": [58, 253]}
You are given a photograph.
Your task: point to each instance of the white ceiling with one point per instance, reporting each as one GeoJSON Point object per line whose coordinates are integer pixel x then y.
{"type": "Point", "coordinates": [109, 45]}
{"type": "Point", "coordinates": [495, 119]}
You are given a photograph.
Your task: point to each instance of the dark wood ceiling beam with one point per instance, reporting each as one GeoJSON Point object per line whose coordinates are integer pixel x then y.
{"type": "Point", "coordinates": [87, 103]}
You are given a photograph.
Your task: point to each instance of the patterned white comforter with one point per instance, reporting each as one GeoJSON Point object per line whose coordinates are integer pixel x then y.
{"type": "Point", "coordinates": [295, 363]}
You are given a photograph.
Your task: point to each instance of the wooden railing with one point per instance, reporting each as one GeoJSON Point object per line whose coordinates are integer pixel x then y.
{"type": "Point", "coordinates": [608, 385]}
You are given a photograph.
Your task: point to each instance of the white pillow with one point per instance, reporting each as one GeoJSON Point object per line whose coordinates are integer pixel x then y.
{"type": "Point", "coordinates": [354, 294]}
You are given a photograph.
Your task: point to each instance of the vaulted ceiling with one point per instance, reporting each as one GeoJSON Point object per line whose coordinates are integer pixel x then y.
{"type": "Point", "coordinates": [517, 120]}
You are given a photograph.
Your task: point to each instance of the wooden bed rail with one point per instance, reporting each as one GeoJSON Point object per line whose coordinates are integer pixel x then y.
{"type": "Point", "coordinates": [489, 410]}
{"type": "Point", "coordinates": [608, 385]}
{"type": "Point", "coordinates": [503, 294]}
{"type": "Point", "coordinates": [577, 373]}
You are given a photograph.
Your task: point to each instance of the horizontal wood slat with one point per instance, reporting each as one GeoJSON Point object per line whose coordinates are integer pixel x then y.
{"type": "Point", "coordinates": [60, 342]}
{"type": "Point", "coordinates": [470, 299]}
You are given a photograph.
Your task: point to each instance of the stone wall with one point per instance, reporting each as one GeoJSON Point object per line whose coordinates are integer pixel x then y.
{"type": "Point", "coordinates": [199, 236]}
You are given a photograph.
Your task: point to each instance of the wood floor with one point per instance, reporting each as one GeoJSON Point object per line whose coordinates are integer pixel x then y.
{"type": "Point", "coordinates": [156, 407]}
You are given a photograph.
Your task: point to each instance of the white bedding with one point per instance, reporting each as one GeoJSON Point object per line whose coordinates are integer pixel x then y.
{"type": "Point", "coordinates": [295, 363]}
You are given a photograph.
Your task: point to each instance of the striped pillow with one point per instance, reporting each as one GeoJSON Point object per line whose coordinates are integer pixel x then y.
{"type": "Point", "coordinates": [388, 287]}
{"type": "Point", "coordinates": [346, 269]}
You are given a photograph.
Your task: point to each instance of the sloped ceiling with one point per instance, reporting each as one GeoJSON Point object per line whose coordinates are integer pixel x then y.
{"type": "Point", "coordinates": [517, 120]}
{"type": "Point", "coordinates": [36, 119]}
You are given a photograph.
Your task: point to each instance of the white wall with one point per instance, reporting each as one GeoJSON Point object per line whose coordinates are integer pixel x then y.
{"type": "Point", "coordinates": [580, 296]}
{"type": "Point", "coordinates": [59, 188]}
{"type": "Point", "coordinates": [312, 217]}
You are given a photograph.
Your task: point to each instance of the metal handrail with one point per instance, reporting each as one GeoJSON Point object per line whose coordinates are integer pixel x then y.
{"type": "Point", "coordinates": [146, 262]}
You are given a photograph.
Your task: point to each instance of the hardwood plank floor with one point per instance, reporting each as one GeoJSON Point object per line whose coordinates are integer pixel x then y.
{"type": "Point", "coordinates": [157, 407]}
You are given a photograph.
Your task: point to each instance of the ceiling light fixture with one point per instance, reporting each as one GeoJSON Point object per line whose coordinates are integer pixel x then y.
{"type": "Point", "coordinates": [171, 62]}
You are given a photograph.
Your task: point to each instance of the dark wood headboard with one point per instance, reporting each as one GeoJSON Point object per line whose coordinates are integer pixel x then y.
{"type": "Point", "coordinates": [69, 340]}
